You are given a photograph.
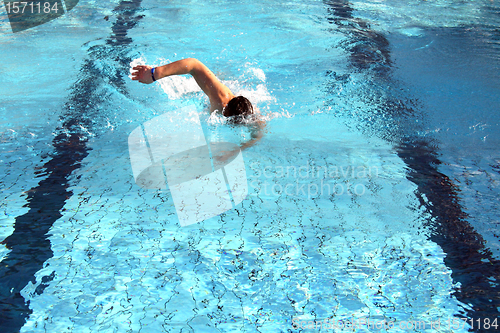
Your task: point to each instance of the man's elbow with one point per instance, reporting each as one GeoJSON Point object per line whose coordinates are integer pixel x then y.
{"type": "Point", "coordinates": [193, 64]}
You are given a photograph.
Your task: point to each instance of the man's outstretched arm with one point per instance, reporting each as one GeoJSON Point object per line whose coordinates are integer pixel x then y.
{"type": "Point", "coordinates": [185, 66]}
{"type": "Point", "coordinates": [217, 92]}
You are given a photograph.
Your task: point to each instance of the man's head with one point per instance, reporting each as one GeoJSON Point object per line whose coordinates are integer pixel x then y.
{"type": "Point", "coordinates": [238, 106]}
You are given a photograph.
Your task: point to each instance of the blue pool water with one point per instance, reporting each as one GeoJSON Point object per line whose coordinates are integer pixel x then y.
{"type": "Point", "coordinates": [372, 195]}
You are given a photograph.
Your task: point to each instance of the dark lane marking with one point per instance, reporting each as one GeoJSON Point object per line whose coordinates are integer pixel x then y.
{"type": "Point", "coordinates": [366, 47]}
{"type": "Point", "coordinates": [472, 264]}
{"type": "Point", "coordinates": [29, 245]}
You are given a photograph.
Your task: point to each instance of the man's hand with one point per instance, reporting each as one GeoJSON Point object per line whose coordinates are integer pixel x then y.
{"type": "Point", "coordinates": [142, 74]}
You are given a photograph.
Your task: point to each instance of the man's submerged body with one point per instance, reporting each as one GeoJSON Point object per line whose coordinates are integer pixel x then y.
{"type": "Point", "coordinates": [218, 94]}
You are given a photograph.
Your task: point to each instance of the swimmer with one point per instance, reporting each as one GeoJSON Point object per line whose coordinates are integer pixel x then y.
{"type": "Point", "coordinates": [221, 98]}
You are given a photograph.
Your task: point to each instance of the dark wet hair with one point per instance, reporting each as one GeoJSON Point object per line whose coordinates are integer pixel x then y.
{"type": "Point", "coordinates": [238, 106]}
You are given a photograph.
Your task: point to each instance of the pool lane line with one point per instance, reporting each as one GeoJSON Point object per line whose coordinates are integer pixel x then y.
{"type": "Point", "coordinates": [29, 245]}
{"type": "Point", "coordinates": [472, 264]}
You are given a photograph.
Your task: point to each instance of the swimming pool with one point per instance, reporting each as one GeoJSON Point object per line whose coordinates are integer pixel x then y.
{"type": "Point", "coordinates": [372, 195]}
